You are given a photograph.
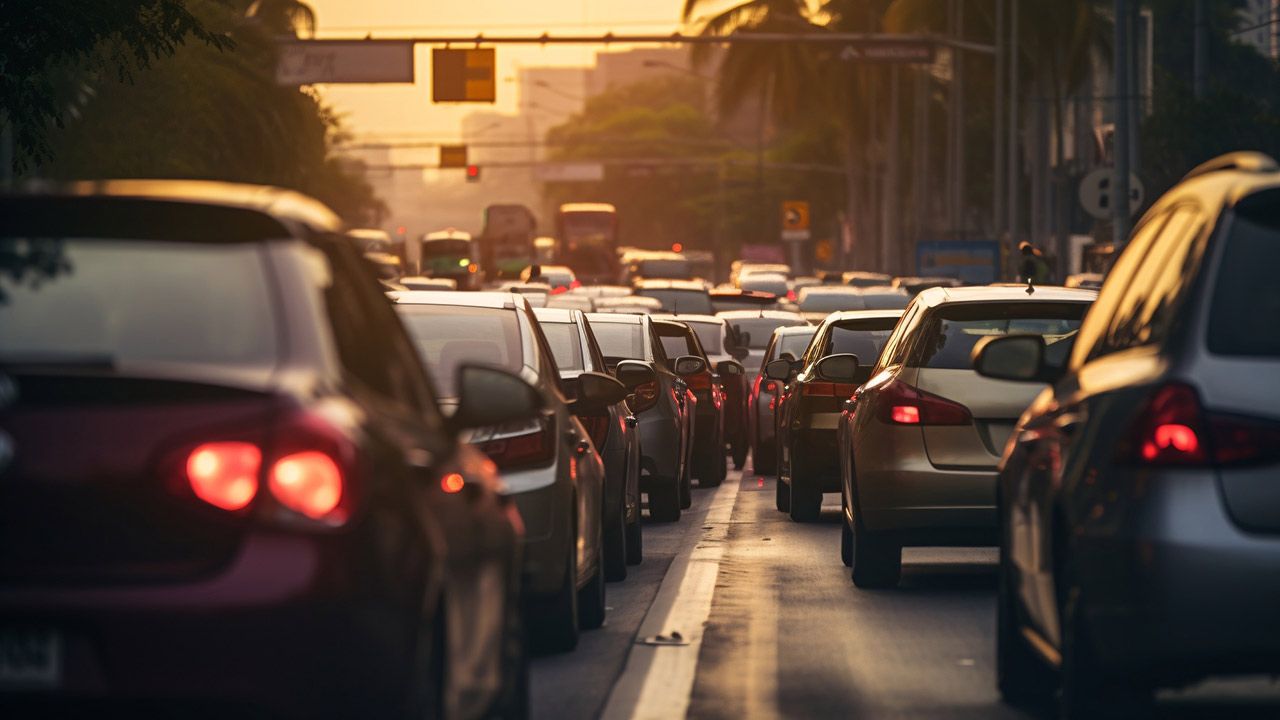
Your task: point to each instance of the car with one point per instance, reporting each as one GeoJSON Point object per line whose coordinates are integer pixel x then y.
{"type": "Point", "coordinates": [724, 299]}
{"type": "Point", "coordinates": [739, 269]}
{"type": "Point", "coordinates": [660, 401]}
{"type": "Point", "coordinates": [725, 354]}
{"type": "Point", "coordinates": [1137, 504]}
{"type": "Point", "coordinates": [658, 265]}
{"type": "Point", "coordinates": [864, 279]}
{"type": "Point", "coordinates": [808, 408]}
{"type": "Point", "coordinates": [677, 296]}
{"type": "Point", "coordinates": [559, 278]}
{"type": "Point", "coordinates": [821, 300]}
{"type": "Point", "coordinates": [920, 441]}
{"type": "Point", "coordinates": [787, 342]}
{"type": "Point", "coordinates": [420, 283]}
{"type": "Point", "coordinates": [571, 302]}
{"type": "Point", "coordinates": [246, 492]}
{"type": "Point", "coordinates": [630, 304]}
{"type": "Point", "coordinates": [599, 292]}
{"type": "Point", "coordinates": [613, 431]}
{"type": "Point", "coordinates": [773, 283]}
{"type": "Point", "coordinates": [550, 467]}
{"type": "Point", "coordinates": [709, 467]}
{"type": "Point", "coordinates": [453, 254]}
{"type": "Point", "coordinates": [915, 285]}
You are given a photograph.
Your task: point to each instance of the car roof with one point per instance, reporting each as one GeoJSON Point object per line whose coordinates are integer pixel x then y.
{"type": "Point", "coordinates": [770, 314]}
{"type": "Point", "coordinates": [495, 300]}
{"type": "Point", "coordinates": [841, 315]}
{"type": "Point", "coordinates": [987, 293]}
{"type": "Point", "coordinates": [795, 329]}
{"type": "Point", "coordinates": [670, 285]}
{"type": "Point", "coordinates": [691, 318]}
{"type": "Point", "coordinates": [555, 315]}
{"type": "Point", "coordinates": [275, 202]}
{"type": "Point", "coordinates": [628, 318]}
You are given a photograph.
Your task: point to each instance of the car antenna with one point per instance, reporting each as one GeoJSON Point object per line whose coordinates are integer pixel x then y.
{"type": "Point", "coordinates": [1031, 289]}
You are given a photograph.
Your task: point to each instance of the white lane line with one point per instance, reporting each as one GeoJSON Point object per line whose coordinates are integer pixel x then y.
{"type": "Point", "coordinates": [657, 681]}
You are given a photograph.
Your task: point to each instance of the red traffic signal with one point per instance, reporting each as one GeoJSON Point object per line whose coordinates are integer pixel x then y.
{"type": "Point", "coordinates": [473, 173]}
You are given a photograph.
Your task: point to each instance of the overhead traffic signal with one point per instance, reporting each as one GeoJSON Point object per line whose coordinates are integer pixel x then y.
{"type": "Point", "coordinates": [473, 173]}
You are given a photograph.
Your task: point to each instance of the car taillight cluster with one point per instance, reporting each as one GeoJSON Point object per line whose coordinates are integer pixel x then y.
{"type": "Point", "coordinates": [528, 444]}
{"type": "Point", "coordinates": [597, 427]}
{"type": "Point", "coordinates": [701, 381]}
{"type": "Point", "coordinates": [826, 389]}
{"type": "Point", "coordinates": [304, 471]}
{"type": "Point", "coordinates": [646, 397]}
{"type": "Point", "coordinates": [1173, 429]}
{"type": "Point", "coordinates": [901, 404]}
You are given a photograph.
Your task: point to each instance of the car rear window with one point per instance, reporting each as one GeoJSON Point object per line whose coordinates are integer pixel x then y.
{"type": "Point", "coordinates": [831, 302]}
{"type": "Point", "coordinates": [126, 301]}
{"type": "Point", "coordinates": [689, 302]}
{"type": "Point", "coordinates": [619, 340]}
{"type": "Point", "coordinates": [759, 329]}
{"type": "Point", "coordinates": [1246, 299]}
{"type": "Point", "coordinates": [676, 345]}
{"type": "Point", "coordinates": [448, 336]}
{"type": "Point", "coordinates": [946, 338]}
{"type": "Point", "coordinates": [765, 283]}
{"type": "Point", "coordinates": [709, 336]}
{"type": "Point", "coordinates": [565, 344]}
{"type": "Point", "coordinates": [864, 338]}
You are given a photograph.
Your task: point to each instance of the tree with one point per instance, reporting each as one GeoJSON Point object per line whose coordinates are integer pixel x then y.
{"type": "Point", "coordinates": [50, 43]}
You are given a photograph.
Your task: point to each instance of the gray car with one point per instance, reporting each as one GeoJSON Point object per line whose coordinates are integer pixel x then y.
{"type": "Point", "coordinates": [1139, 496]}
{"type": "Point", "coordinates": [549, 465]}
{"type": "Point", "coordinates": [613, 430]}
{"type": "Point", "coordinates": [661, 402]}
{"type": "Point", "coordinates": [789, 342]}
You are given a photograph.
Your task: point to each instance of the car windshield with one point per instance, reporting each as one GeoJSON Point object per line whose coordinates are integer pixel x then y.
{"type": "Point", "coordinates": [446, 248]}
{"type": "Point", "coordinates": [689, 302]}
{"type": "Point", "coordinates": [795, 343]}
{"type": "Point", "coordinates": [709, 335]}
{"type": "Point", "coordinates": [117, 302]}
{"type": "Point", "coordinates": [1246, 300]}
{"type": "Point", "coordinates": [864, 338]}
{"type": "Point", "coordinates": [449, 336]}
{"type": "Point", "coordinates": [565, 344]}
{"type": "Point", "coordinates": [831, 302]}
{"type": "Point", "coordinates": [619, 340]}
{"type": "Point", "coordinates": [760, 328]}
{"type": "Point", "coordinates": [947, 339]}
{"type": "Point", "coordinates": [664, 269]}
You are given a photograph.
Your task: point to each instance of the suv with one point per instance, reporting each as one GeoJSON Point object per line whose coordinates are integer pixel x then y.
{"type": "Point", "coordinates": [229, 474]}
{"type": "Point", "coordinates": [660, 400]}
{"type": "Point", "coordinates": [549, 465]}
{"type": "Point", "coordinates": [1138, 502]}
{"type": "Point", "coordinates": [613, 430]}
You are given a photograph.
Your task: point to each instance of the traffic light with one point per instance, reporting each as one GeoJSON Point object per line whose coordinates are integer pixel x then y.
{"type": "Point", "coordinates": [473, 173]}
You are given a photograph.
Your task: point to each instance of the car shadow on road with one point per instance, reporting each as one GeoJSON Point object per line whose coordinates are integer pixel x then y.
{"type": "Point", "coordinates": [932, 577]}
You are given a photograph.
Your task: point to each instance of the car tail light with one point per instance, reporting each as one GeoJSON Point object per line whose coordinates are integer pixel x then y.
{"type": "Point", "coordinates": [452, 482]}
{"type": "Point", "coordinates": [309, 483]}
{"type": "Point", "coordinates": [901, 404]}
{"type": "Point", "coordinates": [1169, 430]}
{"type": "Point", "coordinates": [225, 474]}
{"type": "Point", "coordinates": [518, 445]}
{"type": "Point", "coordinates": [771, 386]}
{"type": "Point", "coordinates": [646, 396]}
{"type": "Point", "coordinates": [575, 284]}
{"type": "Point", "coordinates": [559, 289]}
{"type": "Point", "coordinates": [791, 295]}
{"type": "Point", "coordinates": [701, 381]}
{"type": "Point", "coordinates": [826, 389]}
{"type": "Point", "coordinates": [598, 428]}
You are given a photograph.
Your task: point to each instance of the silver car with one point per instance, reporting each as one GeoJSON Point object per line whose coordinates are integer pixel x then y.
{"type": "Point", "coordinates": [920, 441]}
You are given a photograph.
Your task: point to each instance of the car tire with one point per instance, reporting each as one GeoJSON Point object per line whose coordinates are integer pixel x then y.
{"type": "Point", "coordinates": [781, 495]}
{"type": "Point", "coordinates": [739, 451]}
{"type": "Point", "coordinates": [686, 492]}
{"type": "Point", "coordinates": [635, 543]}
{"type": "Point", "coordinates": [591, 598]}
{"type": "Point", "coordinates": [806, 501]}
{"type": "Point", "coordinates": [1022, 677]}
{"type": "Point", "coordinates": [513, 703]}
{"type": "Point", "coordinates": [664, 502]}
{"type": "Point", "coordinates": [556, 619]}
{"type": "Point", "coordinates": [615, 546]}
{"type": "Point", "coordinates": [1087, 690]}
{"type": "Point", "coordinates": [846, 543]}
{"type": "Point", "coordinates": [877, 562]}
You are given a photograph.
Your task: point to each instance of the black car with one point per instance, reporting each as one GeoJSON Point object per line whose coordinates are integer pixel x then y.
{"type": "Point", "coordinates": [613, 430]}
{"type": "Point", "coordinates": [709, 463]}
{"type": "Point", "coordinates": [229, 477]}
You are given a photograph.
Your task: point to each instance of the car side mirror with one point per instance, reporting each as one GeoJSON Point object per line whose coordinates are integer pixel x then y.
{"type": "Point", "coordinates": [739, 352]}
{"type": "Point", "coordinates": [1020, 358]}
{"type": "Point", "coordinates": [634, 373]}
{"type": "Point", "coordinates": [840, 368]}
{"type": "Point", "coordinates": [687, 365]}
{"type": "Point", "coordinates": [744, 339]}
{"type": "Point", "coordinates": [779, 370]}
{"type": "Point", "coordinates": [729, 368]}
{"type": "Point", "coordinates": [596, 391]}
{"type": "Point", "coordinates": [488, 396]}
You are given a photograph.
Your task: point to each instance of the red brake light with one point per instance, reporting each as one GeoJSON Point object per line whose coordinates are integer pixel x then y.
{"type": "Point", "coordinates": [646, 396]}
{"type": "Point", "coordinates": [902, 404]}
{"type": "Point", "coordinates": [452, 483]}
{"type": "Point", "coordinates": [575, 284]}
{"type": "Point", "coordinates": [1168, 430]}
{"type": "Point", "coordinates": [1241, 440]}
{"type": "Point", "coordinates": [559, 289]}
{"type": "Point", "coordinates": [225, 474]}
{"type": "Point", "coordinates": [791, 295]}
{"type": "Point", "coordinates": [308, 482]}
{"type": "Point", "coordinates": [771, 386]}
{"type": "Point", "coordinates": [526, 446]}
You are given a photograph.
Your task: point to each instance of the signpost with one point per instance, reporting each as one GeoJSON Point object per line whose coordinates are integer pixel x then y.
{"type": "Point", "coordinates": [463, 75]}
{"type": "Point", "coordinates": [305, 62]}
{"type": "Point", "coordinates": [795, 220]}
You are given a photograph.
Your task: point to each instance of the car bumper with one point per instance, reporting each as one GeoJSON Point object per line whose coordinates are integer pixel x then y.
{"type": "Point", "coordinates": [546, 535]}
{"type": "Point", "coordinates": [659, 446]}
{"type": "Point", "coordinates": [290, 626]}
{"type": "Point", "coordinates": [1174, 588]}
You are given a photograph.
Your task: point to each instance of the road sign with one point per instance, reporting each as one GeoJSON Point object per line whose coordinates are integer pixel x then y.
{"type": "Point", "coordinates": [974, 262]}
{"type": "Point", "coordinates": [304, 62]}
{"type": "Point", "coordinates": [905, 51]}
{"type": "Point", "coordinates": [1095, 193]}
{"type": "Point", "coordinates": [795, 220]}
{"type": "Point", "coordinates": [824, 251]}
{"type": "Point", "coordinates": [453, 156]}
{"type": "Point", "coordinates": [463, 75]}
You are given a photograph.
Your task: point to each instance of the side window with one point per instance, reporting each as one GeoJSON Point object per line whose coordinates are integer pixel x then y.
{"type": "Point", "coordinates": [597, 357]}
{"type": "Point", "coordinates": [659, 354]}
{"type": "Point", "coordinates": [1160, 284]}
{"type": "Point", "coordinates": [817, 348]}
{"type": "Point", "coordinates": [1091, 341]}
{"type": "Point", "coordinates": [894, 352]}
{"type": "Point", "coordinates": [546, 359]}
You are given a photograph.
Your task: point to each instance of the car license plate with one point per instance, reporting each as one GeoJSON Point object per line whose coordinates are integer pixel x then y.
{"type": "Point", "coordinates": [30, 657]}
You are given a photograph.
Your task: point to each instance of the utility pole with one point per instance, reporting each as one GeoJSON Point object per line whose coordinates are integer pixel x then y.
{"type": "Point", "coordinates": [997, 136]}
{"type": "Point", "coordinates": [890, 229]}
{"type": "Point", "coordinates": [1200, 58]}
{"type": "Point", "coordinates": [1120, 196]}
{"type": "Point", "coordinates": [1011, 152]}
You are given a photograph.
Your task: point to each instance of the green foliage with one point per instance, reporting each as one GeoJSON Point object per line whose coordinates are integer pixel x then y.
{"type": "Point", "coordinates": [47, 43]}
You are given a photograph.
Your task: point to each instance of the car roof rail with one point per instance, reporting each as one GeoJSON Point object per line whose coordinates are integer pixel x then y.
{"type": "Point", "coordinates": [1244, 161]}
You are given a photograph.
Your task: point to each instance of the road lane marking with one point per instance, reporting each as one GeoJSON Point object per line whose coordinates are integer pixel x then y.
{"type": "Point", "coordinates": [657, 680]}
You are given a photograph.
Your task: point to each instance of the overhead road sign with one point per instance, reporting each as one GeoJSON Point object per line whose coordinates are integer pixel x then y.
{"type": "Point", "coordinates": [463, 75]}
{"type": "Point", "coordinates": [307, 62]}
{"type": "Point", "coordinates": [453, 156]}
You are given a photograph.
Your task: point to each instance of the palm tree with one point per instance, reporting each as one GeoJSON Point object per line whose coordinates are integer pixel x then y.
{"type": "Point", "coordinates": [283, 17]}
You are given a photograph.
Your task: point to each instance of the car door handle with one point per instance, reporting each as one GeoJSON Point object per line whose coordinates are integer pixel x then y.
{"type": "Point", "coordinates": [632, 421]}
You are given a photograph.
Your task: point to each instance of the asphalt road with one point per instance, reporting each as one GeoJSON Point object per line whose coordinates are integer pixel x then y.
{"type": "Point", "coordinates": [786, 634]}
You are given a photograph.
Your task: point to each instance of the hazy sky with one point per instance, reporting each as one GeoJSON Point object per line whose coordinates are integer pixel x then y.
{"type": "Point", "coordinates": [407, 110]}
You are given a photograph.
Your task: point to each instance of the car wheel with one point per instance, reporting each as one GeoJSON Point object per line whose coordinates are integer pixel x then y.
{"type": "Point", "coordinates": [877, 562]}
{"type": "Point", "coordinates": [806, 501]}
{"type": "Point", "coordinates": [1022, 677]}
{"type": "Point", "coordinates": [635, 544]}
{"type": "Point", "coordinates": [846, 543]}
{"type": "Point", "coordinates": [591, 607]}
{"type": "Point", "coordinates": [1087, 691]}
{"type": "Point", "coordinates": [686, 492]}
{"type": "Point", "coordinates": [556, 619]}
{"type": "Point", "coordinates": [615, 546]}
{"type": "Point", "coordinates": [513, 703]}
{"type": "Point", "coordinates": [781, 495]}
{"type": "Point", "coordinates": [664, 502]}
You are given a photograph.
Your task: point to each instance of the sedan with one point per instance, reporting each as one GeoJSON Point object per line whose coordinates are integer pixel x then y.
{"type": "Point", "coordinates": [787, 343]}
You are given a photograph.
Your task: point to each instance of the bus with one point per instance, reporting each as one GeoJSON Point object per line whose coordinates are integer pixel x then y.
{"type": "Point", "coordinates": [450, 254]}
{"type": "Point", "coordinates": [588, 235]}
{"type": "Point", "coordinates": [506, 244]}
